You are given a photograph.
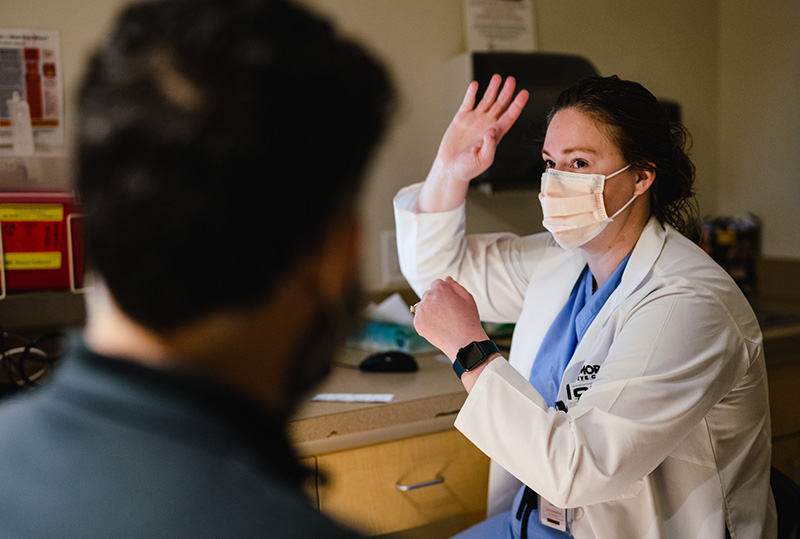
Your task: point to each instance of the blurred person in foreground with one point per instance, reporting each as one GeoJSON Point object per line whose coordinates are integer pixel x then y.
{"type": "Point", "coordinates": [220, 189]}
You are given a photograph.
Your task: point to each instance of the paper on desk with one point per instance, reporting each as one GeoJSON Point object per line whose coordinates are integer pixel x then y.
{"type": "Point", "coordinates": [389, 326]}
{"type": "Point", "coordinates": [393, 310]}
{"type": "Point", "coordinates": [353, 397]}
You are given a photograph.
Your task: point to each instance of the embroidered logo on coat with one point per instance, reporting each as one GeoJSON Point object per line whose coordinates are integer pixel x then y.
{"type": "Point", "coordinates": [588, 372]}
{"type": "Point", "coordinates": [584, 380]}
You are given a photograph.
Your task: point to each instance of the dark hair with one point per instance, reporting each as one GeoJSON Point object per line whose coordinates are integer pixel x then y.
{"type": "Point", "coordinates": [217, 140]}
{"type": "Point", "coordinates": [646, 138]}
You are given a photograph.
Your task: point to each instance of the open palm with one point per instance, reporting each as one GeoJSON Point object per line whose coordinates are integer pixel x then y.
{"type": "Point", "coordinates": [469, 144]}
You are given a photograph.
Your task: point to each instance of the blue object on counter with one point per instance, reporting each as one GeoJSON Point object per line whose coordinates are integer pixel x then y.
{"type": "Point", "coordinates": [388, 336]}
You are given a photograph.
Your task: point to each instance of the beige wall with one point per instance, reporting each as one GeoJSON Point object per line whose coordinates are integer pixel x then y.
{"type": "Point", "coordinates": [732, 65]}
{"type": "Point", "coordinates": [759, 131]}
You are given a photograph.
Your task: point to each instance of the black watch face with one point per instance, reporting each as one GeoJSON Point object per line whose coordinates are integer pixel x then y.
{"type": "Point", "coordinates": [471, 356]}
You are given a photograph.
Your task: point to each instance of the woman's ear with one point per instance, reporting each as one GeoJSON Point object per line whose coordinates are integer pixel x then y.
{"type": "Point", "coordinates": [644, 179]}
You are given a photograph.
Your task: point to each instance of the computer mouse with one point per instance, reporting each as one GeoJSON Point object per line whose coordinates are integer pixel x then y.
{"type": "Point", "coordinates": [389, 361]}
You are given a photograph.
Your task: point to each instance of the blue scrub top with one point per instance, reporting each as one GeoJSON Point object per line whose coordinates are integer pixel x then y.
{"type": "Point", "coordinates": [568, 329]}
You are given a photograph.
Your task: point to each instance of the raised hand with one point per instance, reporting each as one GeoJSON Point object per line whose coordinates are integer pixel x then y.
{"type": "Point", "coordinates": [469, 144]}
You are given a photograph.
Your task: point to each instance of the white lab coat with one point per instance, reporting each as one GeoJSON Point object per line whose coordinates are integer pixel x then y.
{"type": "Point", "coordinates": [670, 437]}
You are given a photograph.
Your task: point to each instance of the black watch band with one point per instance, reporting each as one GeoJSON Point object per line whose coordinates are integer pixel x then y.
{"type": "Point", "coordinates": [472, 355]}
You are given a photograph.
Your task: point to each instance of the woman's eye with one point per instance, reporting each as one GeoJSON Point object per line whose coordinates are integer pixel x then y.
{"type": "Point", "coordinates": [579, 163]}
{"type": "Point", "coordinates": [548, 164]}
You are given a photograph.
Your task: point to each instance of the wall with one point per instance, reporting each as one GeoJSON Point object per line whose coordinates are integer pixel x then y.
{"type": "Point", "coordinates": [732, 65]}
{"type": "Point", "coordinates": [759, 127]}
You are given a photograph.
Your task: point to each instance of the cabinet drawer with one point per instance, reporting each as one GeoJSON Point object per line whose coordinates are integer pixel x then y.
{"type": "Point", "coordinates": [405, 483]}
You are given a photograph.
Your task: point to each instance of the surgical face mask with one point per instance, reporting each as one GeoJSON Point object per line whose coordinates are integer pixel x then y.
{"type": "Point", "coordinates": [573, 206]}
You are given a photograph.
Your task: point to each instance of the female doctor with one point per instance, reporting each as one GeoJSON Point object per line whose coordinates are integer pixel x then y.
{"type": "Point", "coordinates": [634, 400]}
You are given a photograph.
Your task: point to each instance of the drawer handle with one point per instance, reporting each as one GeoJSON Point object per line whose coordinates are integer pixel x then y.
{"type": "Point", "coordinates": [405, 488]}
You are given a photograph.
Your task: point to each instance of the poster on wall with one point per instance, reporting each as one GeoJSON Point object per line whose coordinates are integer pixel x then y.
{"type": "Point", "coordinates": [499, 25]}
{"type": "Point", "coordinates": [30, 66]}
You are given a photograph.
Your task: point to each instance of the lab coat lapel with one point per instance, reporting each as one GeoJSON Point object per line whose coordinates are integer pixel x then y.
{"type": "Point", "coordinates": [549, 288]}
{"type": "Point", "coordinates": [643, 258]}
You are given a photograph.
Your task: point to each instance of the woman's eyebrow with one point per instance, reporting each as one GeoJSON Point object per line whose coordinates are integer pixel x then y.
{"type": "Point", "coordinates": [573, 150]}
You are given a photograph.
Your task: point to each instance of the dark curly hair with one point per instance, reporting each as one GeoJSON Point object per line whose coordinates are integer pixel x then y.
{"type": "Point", "coordinates": [646, 138]}
{"type": "Point", "coordinates": [217, 140]}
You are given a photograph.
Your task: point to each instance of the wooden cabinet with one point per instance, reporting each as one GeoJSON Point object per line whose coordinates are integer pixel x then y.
{"type": "Point", "coordinates": [436, 482]}
{"type": "Point", "coordinates": [782, 350]}
{"type": "Point", "coordinates": [784, 403]}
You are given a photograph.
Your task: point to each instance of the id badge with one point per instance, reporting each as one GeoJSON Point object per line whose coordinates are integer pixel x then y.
{"type": "Point", "coordinates": [555, 517]}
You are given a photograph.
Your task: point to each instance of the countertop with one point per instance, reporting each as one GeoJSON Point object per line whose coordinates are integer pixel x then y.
{"type": "Point", "coordinates": [425, 401]}
{"type": "Point", "coordinates": [429, 399]}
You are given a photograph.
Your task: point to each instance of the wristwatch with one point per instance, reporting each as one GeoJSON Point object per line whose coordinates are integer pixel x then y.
{"type": "Point", "coordinates": [472, 355]}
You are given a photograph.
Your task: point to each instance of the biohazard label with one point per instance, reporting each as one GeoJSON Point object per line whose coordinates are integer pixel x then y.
{"type": "Point", "coordinates": [31, 212]}
{"type": "Point", "coordinates": [32, 236]}
{"type": "Point", "coordinates": [32, 261]}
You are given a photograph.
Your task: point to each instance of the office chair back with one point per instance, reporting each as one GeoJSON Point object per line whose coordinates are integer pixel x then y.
{"type": "Point", "coordinates": [787, 502]}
